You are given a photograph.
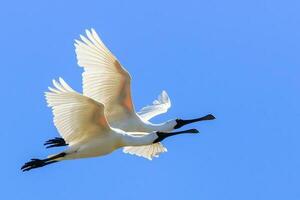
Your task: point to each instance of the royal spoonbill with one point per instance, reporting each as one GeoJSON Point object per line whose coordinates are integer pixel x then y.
{"type": "Point", "coordinates": [106, 81]}
{"type": "Point", "coordinates": [81, 122]}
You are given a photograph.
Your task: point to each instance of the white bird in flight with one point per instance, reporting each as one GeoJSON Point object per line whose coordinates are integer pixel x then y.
{"type": "Point", "coordinates": [105, 83]}
{"type": "Point", "coordinates": [81, 122]}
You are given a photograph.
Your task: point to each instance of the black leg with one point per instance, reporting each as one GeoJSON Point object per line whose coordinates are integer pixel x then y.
{"type": "Point", "coordinates": [36, 163]}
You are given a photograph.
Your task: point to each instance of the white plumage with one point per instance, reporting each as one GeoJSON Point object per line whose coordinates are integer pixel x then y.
{"type": "Point", "coordinates": [159, 106]}
{"type": "Point", "coordinates": [103, 118]}
{"type": "Point", "coordinates": [80, 120]}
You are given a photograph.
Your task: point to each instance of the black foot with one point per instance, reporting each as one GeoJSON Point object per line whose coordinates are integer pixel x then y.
{"type": "Point", "coordinates": [56, 142]}
{"type": "Point", "coordinates": [35, 163]}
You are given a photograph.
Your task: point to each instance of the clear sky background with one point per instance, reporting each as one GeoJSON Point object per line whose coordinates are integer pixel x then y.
{"type": "Point", "coordinates": [236, 59]}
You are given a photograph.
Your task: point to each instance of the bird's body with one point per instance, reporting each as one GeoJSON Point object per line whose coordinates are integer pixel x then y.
{"type": "Point", "coordinates": [103, 144]}
{"type": "Point", "coordinates": [103, 117]}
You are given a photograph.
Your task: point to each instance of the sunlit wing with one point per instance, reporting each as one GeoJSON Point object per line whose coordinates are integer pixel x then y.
{"type": "Point", "coordinates": [159, 106]}
{"type": "Point", "coordinates": [75, 116]}
{"type": "Point", "coordinates": [104, 79]}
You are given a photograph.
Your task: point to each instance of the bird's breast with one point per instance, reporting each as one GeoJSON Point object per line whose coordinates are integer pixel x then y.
{"type": "Point", "coordinates": [97, 147]}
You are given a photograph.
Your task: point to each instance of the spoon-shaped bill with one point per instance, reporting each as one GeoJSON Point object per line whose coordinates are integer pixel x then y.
{"type": "Point", "coordinates": [164, 135]}
{"type": "Point", "coordinates": [182, 122]}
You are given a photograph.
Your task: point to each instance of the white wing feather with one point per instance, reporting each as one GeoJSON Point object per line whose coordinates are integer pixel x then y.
{"type": "Point", "coordinates": [75, 116]}
{"type": "Point", "coordinates": [104, 79]}
{"type": "Point", "coordinates": [147, 151]}
{"type": "Point", "coordinates": [159, 106]}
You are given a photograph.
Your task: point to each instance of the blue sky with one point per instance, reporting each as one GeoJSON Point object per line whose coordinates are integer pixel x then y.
{"type": "Point", "coordinates": [236, 59]}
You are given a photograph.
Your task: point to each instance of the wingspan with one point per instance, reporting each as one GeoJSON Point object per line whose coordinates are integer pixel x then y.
{"type": "Point", "coordinates": [75, 116]}
{"type": "Point", "coordinates": [159, 106]}
{"type": "Point", "coordinates": [104, 79]}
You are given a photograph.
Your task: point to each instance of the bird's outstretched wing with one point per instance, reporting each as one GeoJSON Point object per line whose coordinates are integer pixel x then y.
{"type": "Point", "coordinates": [104, 79]}
{"type": "Point", "coordinates": [159, 106]}
{"type": "Point", "coordinates": [147, 151]}
{"type": "Point", "coordinates": [75, 116]}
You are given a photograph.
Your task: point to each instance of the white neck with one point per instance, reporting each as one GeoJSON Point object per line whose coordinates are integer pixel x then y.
{"type": "Point", "coordinates": [163, 127]}
{"type": "Point", "coordinates": [132, 139]}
